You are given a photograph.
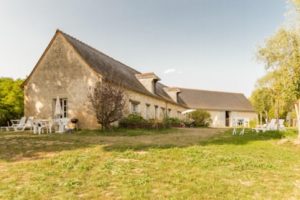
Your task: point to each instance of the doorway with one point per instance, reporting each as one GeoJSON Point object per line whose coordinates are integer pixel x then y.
{"type": "Point", "coordinates": [227, 118]}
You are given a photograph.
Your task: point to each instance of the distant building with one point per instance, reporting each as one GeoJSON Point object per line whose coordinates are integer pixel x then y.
{"type": "Point", "coordinates": [70, 68]}
{"type": "Point", "coordinates": [222, 106]}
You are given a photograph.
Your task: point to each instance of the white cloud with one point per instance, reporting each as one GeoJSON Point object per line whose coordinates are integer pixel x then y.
{"type": "Point", "coordinates": [168, 71]}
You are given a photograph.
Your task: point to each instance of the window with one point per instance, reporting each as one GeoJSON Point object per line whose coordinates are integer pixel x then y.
{"type": "Point", "coordinates": [63, 105]}
{"type": "Point", "coordinates": [134, 107]}
{"type": "Point", "coordinates": [163, 112]}
{"type": "Point", "coordinates": [147, 111]}
{"type": "Point", "coordinates": [155, 112]}
{"type": "Point", "coordinates": [169, 112]}
{"type": "Point", "coordinates": [178, 114]}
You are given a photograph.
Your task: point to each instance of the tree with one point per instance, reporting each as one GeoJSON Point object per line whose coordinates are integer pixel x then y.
{"type": "Point", "coordinates": [108, 101]}
{"type": "Point", "coordinates": [201, 118]}
{"type": "Point", "coordinates": [262, 100]}
{"type": "Point", "coordinates": [11, 100]}
{"type": "Point", "coordinates": [281, 55]}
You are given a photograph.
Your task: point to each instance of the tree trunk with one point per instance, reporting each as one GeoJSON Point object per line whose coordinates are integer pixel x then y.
{"type": "Point", "coordinates": [267, 117]}
{"type": "Point", "coordinates": [260, 118]}
{"type": "Point", "coordinates": [277, 115]}
{"type": "Point", "coordinates": [297, 108]}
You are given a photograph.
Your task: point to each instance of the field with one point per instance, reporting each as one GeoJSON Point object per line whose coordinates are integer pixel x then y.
{"type": "Point", "coordinates": [139, 164]}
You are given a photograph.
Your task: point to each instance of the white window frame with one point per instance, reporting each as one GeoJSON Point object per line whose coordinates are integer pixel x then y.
{"type": "Point", "coordinates": [147, 114]}
{"type": "Point", "coordinates": [134, 107]}
{"type": "Point", "coordinates": [163, 112]}
{"type": "Point", "coordinates": [63, 105]}
{"type": "Point", "coordinates": [169, 112]}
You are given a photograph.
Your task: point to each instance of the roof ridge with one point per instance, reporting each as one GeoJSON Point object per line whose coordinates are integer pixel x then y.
{"type": "Point", "coordinates": [104, 54]}
{"type": "Point", "coordinates": [210, 90]}
{"type": "Point", "coordinates": [129, 69]}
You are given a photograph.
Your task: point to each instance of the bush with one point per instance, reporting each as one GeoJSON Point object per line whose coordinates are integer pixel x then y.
{"type": "Point", "coordinates": [172, 122]}
{"type": "Point", "coordinates": [155, 124]}
{"type": "Point", "coordinates": [11, 100]}
{"type": "Point", "coordinates": [253, 123]}
{"type": "Point", "coordinates": [201, 118]}
{"type": "Point", "coordinates": [189, 123]}
{"type": "Point", "coordinates": [134, 121]}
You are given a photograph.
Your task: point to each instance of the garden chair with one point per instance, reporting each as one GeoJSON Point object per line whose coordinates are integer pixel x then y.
{"type": "Point", "coordinates": [235, 126]}
{"type": "Point", "coordinates": [267, 127]}
{"type": "Point", "coordinates": [42, 125]}
{"type": "Point", "coordinates": [22, 124]}
{"type": "Point", "coordinates": [62, 124]}
{"type": "Point", "coordinates": [18, 124]}
{"type": "Point", "coordinates": [272, 126]}
{"type": "Point", "coordinates": [281, 125]}
{"type": "Point", "coordinates": [6, 128]}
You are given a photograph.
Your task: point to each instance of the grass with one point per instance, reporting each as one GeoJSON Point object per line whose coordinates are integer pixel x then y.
{"type": "Point", "coordinates": [169, 164]}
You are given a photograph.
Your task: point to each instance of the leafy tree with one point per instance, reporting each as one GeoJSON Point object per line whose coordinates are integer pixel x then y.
{"type": "Point", "coordinates": [11, 99]}
{"type": "Point", "coordinates": [201, 118]}
{"type": "Point", "coordinates": [108, 102]}
{"type": "Point", "coordinates": [262, 100]}
{"type": "Point", "coordinates": [281, 55]}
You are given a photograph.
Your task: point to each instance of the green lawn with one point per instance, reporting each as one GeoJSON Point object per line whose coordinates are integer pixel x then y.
{"type": "Point", "coordinates": [168, 164]}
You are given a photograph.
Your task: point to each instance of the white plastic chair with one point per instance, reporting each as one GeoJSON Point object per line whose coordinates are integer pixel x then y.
{"type": "Point", "coordinates": [267, 127]}
{"type": "Point", "coordinates": [281, 125]}
{"type": "Point", "coordinates": [29, 124]}
{"type": "Point", "coordinates": [19, 124]}
{"type": "Point", "coordinates": [42, 125]}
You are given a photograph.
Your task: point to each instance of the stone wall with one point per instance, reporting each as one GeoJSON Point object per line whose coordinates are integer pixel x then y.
{"type": "Point", "coordinates": [144, 100]}
{"type": "Point", "coordinates": [62, 73]}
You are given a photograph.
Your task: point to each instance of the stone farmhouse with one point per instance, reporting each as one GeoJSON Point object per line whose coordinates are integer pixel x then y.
{"type": "Point", "coordinates": [69, 69]}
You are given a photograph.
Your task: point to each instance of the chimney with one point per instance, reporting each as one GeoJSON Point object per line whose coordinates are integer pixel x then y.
{"type": "Point", "coordinates": [148, 80]}
{"type": "Point", "coordinates": [172, 92]}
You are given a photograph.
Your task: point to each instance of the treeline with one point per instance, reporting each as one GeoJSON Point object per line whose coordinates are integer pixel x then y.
{"type": "Point", "coordinates": [277, 91]}
{"type": "Point", "coordinates": [11, 100]}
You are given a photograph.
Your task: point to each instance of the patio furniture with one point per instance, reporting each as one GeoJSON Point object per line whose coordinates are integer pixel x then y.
{"type": "Point", "coordinates": [62, 125]}
{"type": "Point", "coordinates": [22, 124]}
{"type": "Point", "coordinates": [267, 127]}
{"type": "Point", "coordinates": [236, 124]}
{"type": "Point", "coordinates": [281, 125]}
{"type": "Point", "coordinates": [41, 125]}
{"type": "Point", "coordinates": [6, 128]}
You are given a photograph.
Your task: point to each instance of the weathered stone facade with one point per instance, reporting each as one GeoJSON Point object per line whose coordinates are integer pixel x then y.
{"type": "Point", "coordinates": [62, 73]}
{"type": "Point", "coordinates": [172, 110]}
{"type": "Point", "coordinates": [69, 69]}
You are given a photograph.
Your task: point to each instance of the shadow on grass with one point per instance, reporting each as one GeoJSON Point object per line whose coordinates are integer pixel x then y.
{"type": "Point", "coordinates": [126, 132]}
{"type": "Point", "coordinates": [220, 139]}
{"type": "Point", "coordinates": [20, 146]}
{"type": "Point", "coordinates": [249, 136]}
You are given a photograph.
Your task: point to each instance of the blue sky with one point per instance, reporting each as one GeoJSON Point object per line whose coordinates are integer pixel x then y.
{"type": "Point", "coordinates": [205, 44]}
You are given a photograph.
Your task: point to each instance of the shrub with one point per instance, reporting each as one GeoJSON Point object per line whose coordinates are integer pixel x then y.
{"type": "Point", "coordinates": [253, 123]}
{"type": "Point", "coordinates": [133, 121]}
{"type": "Point", "coordinates": [189, 123]}
{"type": "Point", "coordinates": [155, 124]}
{"type": "Point", "coordinates": [172, 122]}
{"type": "Point", "coordinates": [201, 118]}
